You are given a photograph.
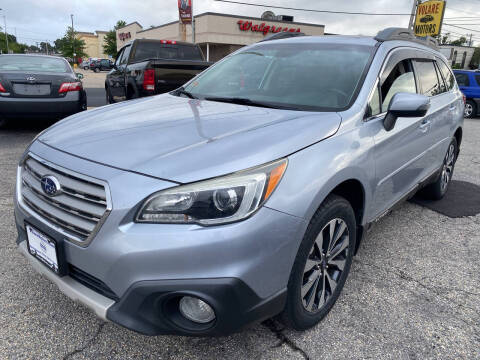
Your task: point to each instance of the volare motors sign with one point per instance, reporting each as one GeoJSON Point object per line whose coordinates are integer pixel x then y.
{"type": "Point", "coordinates": [428, 21]}
{"type": "Point", "coordinates": [185, 11]}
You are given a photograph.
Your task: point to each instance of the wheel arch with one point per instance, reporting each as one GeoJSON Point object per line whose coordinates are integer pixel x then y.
{"type": "Point", "coordinates": [458, 135]}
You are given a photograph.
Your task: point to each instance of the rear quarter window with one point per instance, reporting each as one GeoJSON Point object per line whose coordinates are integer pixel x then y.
{"type": "Point", "coordinates": [428, 78]}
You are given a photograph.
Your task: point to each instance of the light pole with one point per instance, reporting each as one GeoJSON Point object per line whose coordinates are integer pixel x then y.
{"type": "Point", "coordinates": [5, 23]}
{"type": "Point", "coordinates": [73, 40]}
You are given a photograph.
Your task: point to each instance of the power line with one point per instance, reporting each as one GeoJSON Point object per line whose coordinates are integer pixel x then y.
{"type": "Point", "coordinates": [313, 10]}
{"type": "Point", "coordinates": [461, 27]}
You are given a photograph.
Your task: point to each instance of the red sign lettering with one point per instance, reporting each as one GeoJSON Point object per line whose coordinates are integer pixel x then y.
{"type": "Point", "coordinates": [265, 29]}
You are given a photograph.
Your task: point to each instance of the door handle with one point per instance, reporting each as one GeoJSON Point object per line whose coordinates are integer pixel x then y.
{"type": "Point", "coordinates": [425, 125]}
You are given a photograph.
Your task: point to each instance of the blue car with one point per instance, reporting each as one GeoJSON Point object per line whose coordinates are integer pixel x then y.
{"type": "Point", "coordinates": [469, 83]}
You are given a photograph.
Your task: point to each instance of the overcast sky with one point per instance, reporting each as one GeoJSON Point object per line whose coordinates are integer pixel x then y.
{"type": "Point", "coordinates": [40, 20]}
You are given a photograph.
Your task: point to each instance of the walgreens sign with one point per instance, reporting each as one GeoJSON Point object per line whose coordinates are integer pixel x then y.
{"type": "Point", "coordinates": [244, 25]}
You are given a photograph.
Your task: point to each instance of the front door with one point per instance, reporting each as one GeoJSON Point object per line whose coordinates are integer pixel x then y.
{"type": "Point", "coordinates": [116, 77]}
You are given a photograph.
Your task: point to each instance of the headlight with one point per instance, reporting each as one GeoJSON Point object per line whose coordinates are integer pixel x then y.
{"type": "Point", "coordinates": [216, 201]}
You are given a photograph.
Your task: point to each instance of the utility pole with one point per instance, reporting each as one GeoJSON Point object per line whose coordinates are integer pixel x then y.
{"type": "Point", "coordinates": [470, 41]}
{"type": "Point", "coordinates": [412, 14]}
{"type": "Point", "coordinates": [193, 26]}
{"type": "Point", "coordinates": [73, 40]}
{"type": "Point", "coordinates": [6, 34]}
{"type": "Point", "coordinates": [46, 45]}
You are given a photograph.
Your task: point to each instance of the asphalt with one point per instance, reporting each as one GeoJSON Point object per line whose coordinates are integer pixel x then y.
{"type": "Point", "coordinates": [413, 293]}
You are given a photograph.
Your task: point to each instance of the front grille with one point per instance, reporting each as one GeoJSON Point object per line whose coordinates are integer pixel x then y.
{"type": "Point", "coordinates": [91, 282]}
{"type": "Point", "coordinates": [78, 210]}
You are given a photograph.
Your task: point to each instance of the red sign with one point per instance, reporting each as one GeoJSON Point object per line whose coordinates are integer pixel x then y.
{"type": "Point", "coordinates": [124, 36]}
{"type": "Point", "coordinates": [265, 29]}
{"type": "Point", "coordinates": [185, 11]}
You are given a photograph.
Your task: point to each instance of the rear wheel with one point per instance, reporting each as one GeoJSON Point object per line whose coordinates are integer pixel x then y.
{"type": "Point", "coordinates": [96, 70]}
{"type": "Point", "coordinates": [322, 264]}
{"type": "Point", "coordinates": [108, 96]}
{"type": "Point", "coordinates": [470, 109]}
{"type": "Point", "coordinates": [438, 189]}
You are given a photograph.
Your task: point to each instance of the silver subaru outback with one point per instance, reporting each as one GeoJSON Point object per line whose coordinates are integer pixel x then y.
{"type": "Point", "coordinates": [245, 193]}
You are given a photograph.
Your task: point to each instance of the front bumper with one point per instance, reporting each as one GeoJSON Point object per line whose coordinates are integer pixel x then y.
{"type": "Point", "coordinates": [240, 269]}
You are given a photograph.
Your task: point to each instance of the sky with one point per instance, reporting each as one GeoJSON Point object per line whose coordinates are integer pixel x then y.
{"type": "Point", "coordinates": [41, 20]}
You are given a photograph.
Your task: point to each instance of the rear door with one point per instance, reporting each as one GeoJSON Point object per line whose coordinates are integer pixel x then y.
{"type": "Point", "coordinates": [399, 153]}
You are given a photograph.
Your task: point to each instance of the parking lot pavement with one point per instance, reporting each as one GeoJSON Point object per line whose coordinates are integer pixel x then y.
{"type": "Point", "coordinates": [413, 293]}
{"type": "Point", "coordinates": [94, 85]}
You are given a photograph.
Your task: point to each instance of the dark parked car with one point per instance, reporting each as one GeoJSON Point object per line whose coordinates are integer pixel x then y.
{"type": "Point", "coordinates": [149, 67]}
{"type": "Point", "coordinates": [101, 65]}
{"type": "Point", "coordinates": [39, 86]}
{"type": "Point", "coordinates": [469, 83]}
{"type": "Point", "coordinates": [426, 19]}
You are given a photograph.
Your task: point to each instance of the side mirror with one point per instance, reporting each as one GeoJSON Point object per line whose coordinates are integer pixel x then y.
{"type": "Point", "coordinates": [405, 105]}
{"type": "Point", "coordinates": [79, 76]}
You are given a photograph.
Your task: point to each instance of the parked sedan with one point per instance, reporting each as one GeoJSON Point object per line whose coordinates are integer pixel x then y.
{"type": "Point", "coordinates": [101, 65]}
{"type": "Point", "coordinates": [39, 86]}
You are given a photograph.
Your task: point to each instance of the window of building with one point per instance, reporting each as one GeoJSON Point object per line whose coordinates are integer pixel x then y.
{"type": "Point", "coordinates": [464, 57]}
{"type": "Point", "coordinates": [454, 58]}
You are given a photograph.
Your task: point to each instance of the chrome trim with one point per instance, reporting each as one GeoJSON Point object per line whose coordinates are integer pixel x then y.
{"type": "Point", "coordinates": [96, 302]}
{"type": "Point", "coordinates": [69, 237]}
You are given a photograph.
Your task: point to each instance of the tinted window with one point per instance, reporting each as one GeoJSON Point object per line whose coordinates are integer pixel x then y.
{"type": "Point", "coordinates": [447, 75]}
{"type": "Point", "coordinates": [400, 79]}
{"type": "Point", "coordinates": [427, 76]}
{"type": "Point", "coordinates": [301, 76]}
{"type": "Point", "coordinates": [119, 57]}
{"type": "Point", "coordinates": [125, 55]}
{"type": "Point", "coordinates": [33, 63]}
{"type": "Point", "coordinates": [156, 50]}
{"type": "Point", "coordinates": [105, 62]}
{"type": "Point", "coordinates": [462, 79]}
{"type": "Point", "coordinates": [477, 78]}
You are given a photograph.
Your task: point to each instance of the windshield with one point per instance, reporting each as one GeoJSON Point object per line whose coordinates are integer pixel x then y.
{"type": "Point", "coordinates": [156, 50]}
{"type": "Point", "coordinates": [33, 63]}
{"type": "Point", "coordinates": [322, 77]}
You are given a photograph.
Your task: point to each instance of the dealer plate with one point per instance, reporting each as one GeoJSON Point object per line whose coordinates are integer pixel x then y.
{"type": "Point", "coordinates": [42, 247]}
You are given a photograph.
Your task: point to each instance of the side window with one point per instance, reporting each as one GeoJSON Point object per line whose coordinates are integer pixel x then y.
{"type": "Point", "coordinates": [462, 79]}
{"type": "Point", "coordinates": [428, 78]}
{"type": "Point", "coordinates": [447, 75]}
{"type": "Point", "coordinates": [400, 79]}
{"type": "Point", "coordinates": [443, 87]}
{"type": "Point", "coordinates": [125, 55]}
{"type": "Point", "coordinates": [477, 79]}
{"type": "Point", "coordinates": [374, 103]}
{"type": "Point", "coordinates": [119, 57]}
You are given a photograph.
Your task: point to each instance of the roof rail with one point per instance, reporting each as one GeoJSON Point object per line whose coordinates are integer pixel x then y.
{"type": "Point", "coordinates": [282, 35]}
{"type": "Point", "coordinates": [394, 33]}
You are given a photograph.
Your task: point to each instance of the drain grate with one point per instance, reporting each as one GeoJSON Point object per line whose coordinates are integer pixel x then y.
{"type": "Point", "coordinates": [462, 199]}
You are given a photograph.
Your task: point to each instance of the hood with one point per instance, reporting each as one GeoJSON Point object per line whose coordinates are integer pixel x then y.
{"type": "Point", "coordinates": [186, 140]}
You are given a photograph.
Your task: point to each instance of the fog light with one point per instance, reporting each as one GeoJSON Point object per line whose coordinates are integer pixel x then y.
{"type": "Point", "coordinates": [196, 310]}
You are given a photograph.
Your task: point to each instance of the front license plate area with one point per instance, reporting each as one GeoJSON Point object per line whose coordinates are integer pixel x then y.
{"type": "Point", "coordinates": [42, 247]}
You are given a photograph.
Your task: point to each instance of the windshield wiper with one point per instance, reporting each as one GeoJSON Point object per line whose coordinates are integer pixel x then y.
{"type": "Point", "coordinates": [182, 91]}
{"type": "Point", "coordinates": [245, 101]}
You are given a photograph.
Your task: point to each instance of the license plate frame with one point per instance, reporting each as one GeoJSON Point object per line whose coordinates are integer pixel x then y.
{"type": "Point", "coordinates": [43, 248]}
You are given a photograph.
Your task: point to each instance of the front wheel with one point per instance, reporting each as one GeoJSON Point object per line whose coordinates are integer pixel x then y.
{"type": "Point", "coordinates": [96, 70]}
{"type": "Point", "coordinates": [470, 109]}
{"type": "Point", "coordinates": [322, 264]}
{"type": "Point", "coordinates": [438, 189]}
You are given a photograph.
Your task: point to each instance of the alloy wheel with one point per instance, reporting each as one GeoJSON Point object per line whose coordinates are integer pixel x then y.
{"type": "Point", "coordinates": [325, 264]}
{"type": "Point", "coordinates": [448, 163]}
{"type": "Point", "coordinates": [468, 110]}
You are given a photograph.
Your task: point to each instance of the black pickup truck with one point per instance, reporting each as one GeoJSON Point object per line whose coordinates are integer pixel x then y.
{"type": "Point", "coordinates": [146, 67]}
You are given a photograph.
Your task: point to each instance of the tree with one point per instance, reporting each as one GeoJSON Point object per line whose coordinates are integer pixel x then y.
{"type": "Point", "coordinates": [475, 61]}
{"type": "Point", "coordinates": [110, 41]}
{"type": "Point", "coordinates": [65, 47]}
{"type": "Point", "coordinates": [459, 42]}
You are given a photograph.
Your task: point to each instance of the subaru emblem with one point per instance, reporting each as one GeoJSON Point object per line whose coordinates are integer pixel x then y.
{"type": "Point", "coordinates": [50, 185]}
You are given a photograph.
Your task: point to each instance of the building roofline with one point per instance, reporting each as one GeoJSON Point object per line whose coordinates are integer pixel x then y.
{"type": "Point", "coordinates": [135, 22]}
{"type": "Point", "coordinates": [233, 16]}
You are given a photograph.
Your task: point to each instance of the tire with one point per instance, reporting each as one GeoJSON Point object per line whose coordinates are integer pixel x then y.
{"type": "Point", "coordinates": [96, 70]}
{"type": "Point", "coordinates": [470, 109]}
{"type": "Point", "coordinates": [305, 305]}
{"type": "Point", "coordinates": [438, 189]}
{"type": "Point", "coordinates": [108, 96]}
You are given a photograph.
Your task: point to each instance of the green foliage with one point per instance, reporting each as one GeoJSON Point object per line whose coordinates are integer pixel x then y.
{"type": "Point", "coordinates": [475, 61]}
{"type": "Point", "coordinates": [65, 47]}
{"type": "Point", "coordinates": [459, 42]}
{"type": "Point", "coordinates": [110, 41]}
{"type": "Point", "coordinates": [457, 66]}
{"type": "Point", "coordinates": [13, 46]}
